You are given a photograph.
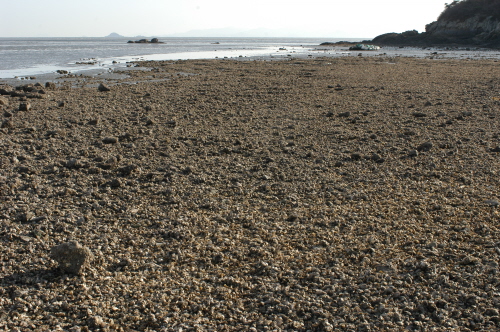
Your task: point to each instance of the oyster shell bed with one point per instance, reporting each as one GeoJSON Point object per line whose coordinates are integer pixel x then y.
{"type": "Point", "coordinates": [356, 194]}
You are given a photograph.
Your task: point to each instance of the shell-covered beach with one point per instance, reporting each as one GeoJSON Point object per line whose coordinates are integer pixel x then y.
{"type": "Point", "coordinates": [329, 194]}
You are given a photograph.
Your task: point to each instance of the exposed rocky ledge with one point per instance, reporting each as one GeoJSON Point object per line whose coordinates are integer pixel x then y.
{"type": "Point", "coordinates": [145, 41]}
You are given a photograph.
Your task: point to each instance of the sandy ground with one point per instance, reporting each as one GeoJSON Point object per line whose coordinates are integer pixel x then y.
{"type": "Point", "coordinates": [345, 194]}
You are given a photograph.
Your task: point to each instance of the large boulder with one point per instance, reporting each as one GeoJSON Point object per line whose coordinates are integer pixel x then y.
{"type": "Point", "coordinates": [71, 256]}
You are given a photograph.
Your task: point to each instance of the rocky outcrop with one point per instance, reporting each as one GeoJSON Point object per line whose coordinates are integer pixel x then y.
{"type": "Point", "coordinates": [457, 25]}
{"type": "Point", "coordinates": [145, 41]}
{"type": "Point", "coordinates": [472, 29]}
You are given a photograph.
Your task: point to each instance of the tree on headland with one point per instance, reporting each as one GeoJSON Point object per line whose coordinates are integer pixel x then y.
{"type": "Point", "coordinates": [460, 10]}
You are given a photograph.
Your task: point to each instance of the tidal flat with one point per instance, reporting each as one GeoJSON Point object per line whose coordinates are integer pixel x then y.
{"type": "Point", "coordinates": [328, 194]}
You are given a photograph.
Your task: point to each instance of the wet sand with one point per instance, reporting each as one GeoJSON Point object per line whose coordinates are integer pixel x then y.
{"type": "Point", "coordinates": [330, 194]}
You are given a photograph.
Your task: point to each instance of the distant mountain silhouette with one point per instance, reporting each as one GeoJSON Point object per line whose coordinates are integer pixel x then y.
{"type": "Point", "coordinates": [114, 35]}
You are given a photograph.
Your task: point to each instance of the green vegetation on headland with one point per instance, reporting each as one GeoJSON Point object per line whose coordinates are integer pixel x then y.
{"type": "Point", "coordinates": [463, 10]}
{"type": "Point", "coordinates": [462, 23]}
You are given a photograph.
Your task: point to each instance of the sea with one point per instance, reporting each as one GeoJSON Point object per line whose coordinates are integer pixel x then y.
{"type": "Point", "coordinates": [25, 58]}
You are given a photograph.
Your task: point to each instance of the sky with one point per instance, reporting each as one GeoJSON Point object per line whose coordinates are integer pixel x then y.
{"type": "Point", "coordinates": [278, 18]}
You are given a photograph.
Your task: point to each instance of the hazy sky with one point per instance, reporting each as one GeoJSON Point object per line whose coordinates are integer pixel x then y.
{"type": "Point", "coordinates": [304, 18]}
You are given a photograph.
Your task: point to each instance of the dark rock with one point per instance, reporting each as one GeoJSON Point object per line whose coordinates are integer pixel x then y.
{"type": "Point", "coordinates": [491, 312]}
{"type": "Point", "coordinates": [5, 92]}
{"type": "Point", "coordinates": [110, 140]}
{"type": "Point", "coordinates": [355, 156]}
{"type": "Point", "coordinates": [413, 153]}
{"type": "Point", "coordinates": [29, 87]}
{"type": "Point", "coordinates": [25, 217]}
{"type": "Point", "coordinates": [217, 259]}
{"type": "Point", "coordinates": [62, 72]}
{"type": "Point", "coordinates": [25, 170]}
{"type": "Point", "coordinates": [54, 133]}
{"type": "Point", "coordinates": [94, 122]}
{"type": "Point", "coordinates": [115, 183]}
{"type": "Point", "coordinates": [127, 170]}
{"type": "Point", "coordinates": [377, 158]}
{"type": "Point", "coordinates": [25, 107]}
{"type": "Point", "coordinates": [50, 85]}
{"type": "Point", "coordinates": [145, 41]}
{"type": "Point", "coordinates": [7, 124]}
{"type": "Point", "coordinates": [74, 163]}
{"type": "Point", "coordinates": [425, 146]}
{"type": "Point", "coordinates": [492, 202]}
{"type": "Point", "coordinates": [103, 87]}
{"type": "Point", "coordinates": [419, 114]}
{"type": "Point", "coordinates": [71, 256]}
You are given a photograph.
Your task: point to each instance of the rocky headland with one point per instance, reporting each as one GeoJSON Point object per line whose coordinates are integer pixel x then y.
{"type": "Point", "coordinates": [330, 194]}
{"type": "Point", "coordinates": [463, 23]}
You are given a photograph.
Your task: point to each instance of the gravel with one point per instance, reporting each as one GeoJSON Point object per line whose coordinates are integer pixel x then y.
{"type": "Point", "coordinates": [252, 196]}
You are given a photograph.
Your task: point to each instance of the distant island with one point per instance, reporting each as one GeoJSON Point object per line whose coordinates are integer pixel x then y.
{"type": "Point", "coordinates": [114, 35]}
{"type": "Point", "coordinates": [462, 23]}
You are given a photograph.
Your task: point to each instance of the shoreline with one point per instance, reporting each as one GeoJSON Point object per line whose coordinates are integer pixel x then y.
{"type": "Point", "coordinates": [322, 194]}
{"type": "Point", "coordinates": [107, 66]}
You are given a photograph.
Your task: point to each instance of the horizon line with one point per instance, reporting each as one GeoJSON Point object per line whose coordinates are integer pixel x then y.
{"type": "Point", "coordinates": [174, 36]}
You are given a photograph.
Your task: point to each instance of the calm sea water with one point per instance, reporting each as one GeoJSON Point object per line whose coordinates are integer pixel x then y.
{"type": "Point", "coordinates": [33, 56]}
{"type": "Point", "coordinates": [23, 57]}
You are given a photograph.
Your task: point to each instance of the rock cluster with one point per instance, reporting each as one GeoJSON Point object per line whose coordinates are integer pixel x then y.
{"type": "Point", "coordinates": [145, 41]}
{"type": "Point", "coordinates": [299, 195]}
